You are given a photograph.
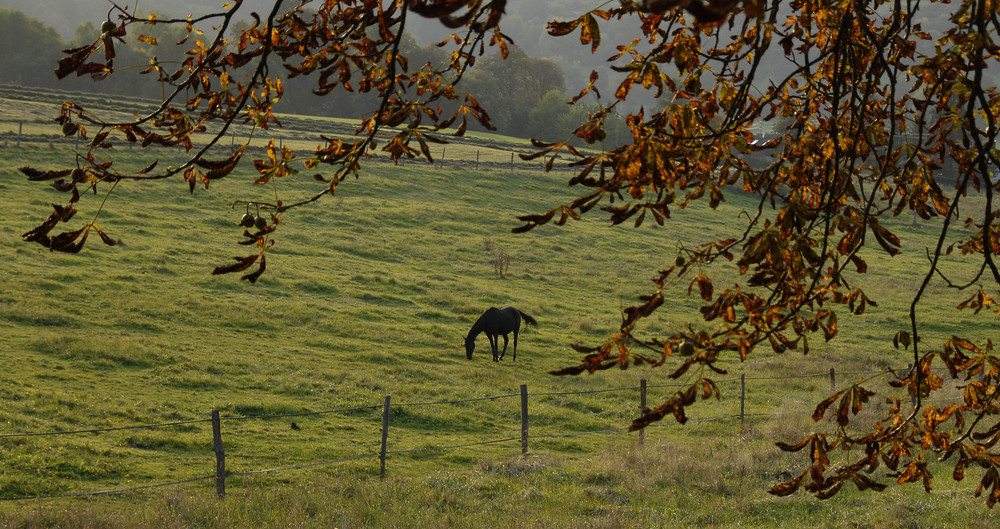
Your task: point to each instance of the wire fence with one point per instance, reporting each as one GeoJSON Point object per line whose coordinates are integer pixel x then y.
{"type": "Point", "coordinates": [467, 153]}
{"type": "Point", "coordinates": [219, 446]}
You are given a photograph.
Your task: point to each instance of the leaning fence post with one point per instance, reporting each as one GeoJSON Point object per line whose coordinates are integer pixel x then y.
{"type": "Point", "coordinates": [220, 455]}
{"type": "Point", "coordinates": [743, 396]}
{"type": "Point", "coordinates": [385, 437]}
{"type": "Point", "coordinates": [833, 379]}
{"type": "Point", "coordinates": [524, 418]}
{"type": "Point", "coordinates": [642, 408]}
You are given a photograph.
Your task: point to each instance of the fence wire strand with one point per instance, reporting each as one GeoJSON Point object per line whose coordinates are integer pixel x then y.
{"type": "Point", "coordinates": [582, 392]}
{"type": "Point", "coordinates": [427, 403]}
{"type": "Point", "coordinates": [304, 465]}
{"type": "Point", "coordinates": [576, 434]}
{"type": "Point", "coordinates": [102, 430]}
{"type": "Point", "coordinates": [459, 401]}
{"type": "Point", "coordinates": [416, 450]}
{"type": "Point", "coordinates": [300, 414]}
{"type": "Point", "coordinates": [110, 491]}
{"type": "Point", "coordinates": [450, 447]}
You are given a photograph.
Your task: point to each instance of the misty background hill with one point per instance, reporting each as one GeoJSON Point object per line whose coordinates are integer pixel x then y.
{"type": "Point", "coordinates": [525, 96]}
{"type": "Point", "coordinates": [525, 23]}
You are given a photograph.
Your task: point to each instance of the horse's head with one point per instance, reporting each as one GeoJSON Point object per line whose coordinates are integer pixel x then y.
{"type": "Point", "coordinates": [470, 346]}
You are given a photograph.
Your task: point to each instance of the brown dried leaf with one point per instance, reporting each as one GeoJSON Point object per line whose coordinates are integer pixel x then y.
{"type": "Point", "coordinates": [242, 263]}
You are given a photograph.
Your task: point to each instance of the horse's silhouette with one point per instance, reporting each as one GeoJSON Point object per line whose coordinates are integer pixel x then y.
{"type": "Point", "coordinates": [496, 322]}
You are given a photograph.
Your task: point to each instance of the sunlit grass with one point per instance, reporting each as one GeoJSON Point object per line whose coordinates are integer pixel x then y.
{"type": "Point", "coordinates": [369, 294]}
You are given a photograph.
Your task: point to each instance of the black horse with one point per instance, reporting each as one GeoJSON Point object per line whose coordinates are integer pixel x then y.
{"type": "Point", "coordinates": [496, 322]}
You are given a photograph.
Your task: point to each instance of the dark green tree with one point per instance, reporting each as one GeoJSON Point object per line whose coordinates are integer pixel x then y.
{"type": "Point", "coordinates": [511, 87]}
{"type": "Point", "coordinates": [27, 43]}
{"type": "Point", "coordinates": [553, 117]}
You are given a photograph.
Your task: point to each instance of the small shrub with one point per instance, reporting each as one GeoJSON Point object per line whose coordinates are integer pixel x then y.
{"type": "Point", "coordinates": [501, 262]}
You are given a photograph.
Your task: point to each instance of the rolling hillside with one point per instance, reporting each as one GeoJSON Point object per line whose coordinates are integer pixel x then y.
{"type": "Point", "coordinates": [369, 294]}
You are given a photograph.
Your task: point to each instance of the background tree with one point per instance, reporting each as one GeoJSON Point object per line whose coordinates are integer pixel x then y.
{"type": "Point", "coordinates": [873, 103]}
{"type": "Point", "coordinates": [134, 55]}
{"type": "Point", "coordinates": [35, 43]}
{"type": "Point", "coordinates": [511, 86]}
{"type": "Point", "coordinates": [552, 117]}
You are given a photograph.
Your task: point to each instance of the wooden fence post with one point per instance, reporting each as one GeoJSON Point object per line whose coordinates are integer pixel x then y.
{"type": "Point", "coordinates": [512, 162]}
{"type": "Point", "coordinates": [477, 159]}
{"type": "Point", "coordinates": [743, 396]}
{"type": "Point", "coordinates": [385, 437]}
{"type": "Point", "coordinates": [642, 408]}
{"type": "Point", "coordinates": [524, 418]}
{"type": "Point", "coordinates": [220, 455]}
{"type": "Point", "coordinates": [20, 127]}
{"type": "Point", "coordinates": [833, 379]}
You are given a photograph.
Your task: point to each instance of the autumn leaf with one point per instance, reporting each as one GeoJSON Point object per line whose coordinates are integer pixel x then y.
{"type": "Point", "coordinates": [590, 33]}
{"type": "Point", "coordinates": [789, 488]}
{"type": "Point", "coordinates": [824, 404]}
{"type": "Point", "coordinates": [36, 175]}
{"type": "Point", "coordinates": [242, 263]}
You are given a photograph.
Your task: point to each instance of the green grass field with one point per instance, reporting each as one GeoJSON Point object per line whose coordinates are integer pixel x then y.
{"type": "Point", "coordinates": [369, 294]}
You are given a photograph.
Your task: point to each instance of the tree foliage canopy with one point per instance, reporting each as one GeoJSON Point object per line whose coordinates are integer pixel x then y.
{"type": "Point", "coordinates": [34, 41]}
{"type": "Point", "coordinates": [868, 106]}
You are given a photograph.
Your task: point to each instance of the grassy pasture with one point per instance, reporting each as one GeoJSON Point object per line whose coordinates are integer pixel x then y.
{"type": "Point", "coordinates": [368, 294]}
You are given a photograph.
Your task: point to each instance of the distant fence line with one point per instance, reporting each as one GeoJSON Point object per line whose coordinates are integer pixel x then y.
{"type": "Point", "coordinates": [484, 156]}
{"type": "Point", "coordinates": [221, 473]}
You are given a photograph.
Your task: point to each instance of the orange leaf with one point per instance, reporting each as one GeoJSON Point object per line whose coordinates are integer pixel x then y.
{"type": "Point", "coordinates": [786, 489]}
{"type": "Point", "coordinates": [590, 32]}
{"type": "Point", "coordinates": [824, 404]}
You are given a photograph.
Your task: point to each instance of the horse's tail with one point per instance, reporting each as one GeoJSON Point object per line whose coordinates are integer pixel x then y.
{"type": "Point", "coordinates": [528, 319]}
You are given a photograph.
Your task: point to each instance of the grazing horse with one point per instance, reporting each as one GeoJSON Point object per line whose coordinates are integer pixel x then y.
{"type": "Point", "coordinates": [496, 322]}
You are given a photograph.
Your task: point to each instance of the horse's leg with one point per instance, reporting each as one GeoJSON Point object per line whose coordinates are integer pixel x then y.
{"type": "Point", "coordinates": [494, 342]}
{"type": "Point", "coordinates": [517, 330]}
{"type": "Point", "coordinates": [504, 346]}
